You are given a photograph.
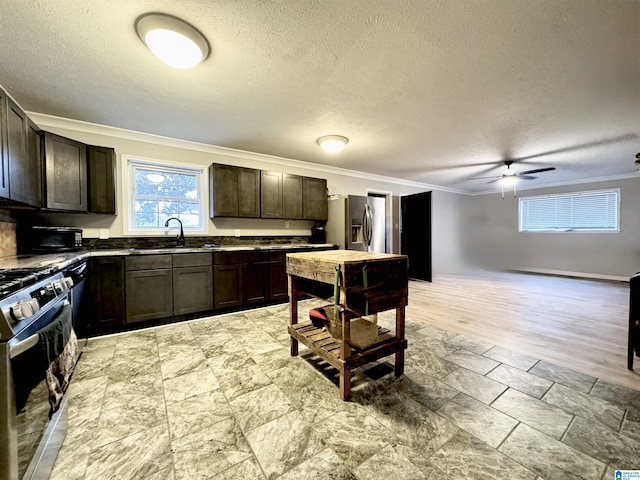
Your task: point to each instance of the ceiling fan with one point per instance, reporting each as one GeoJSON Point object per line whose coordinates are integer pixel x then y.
{"type": "Point", "coordinates": [510, 173]}
{"type": "Point", "coordinates": [510, 177]}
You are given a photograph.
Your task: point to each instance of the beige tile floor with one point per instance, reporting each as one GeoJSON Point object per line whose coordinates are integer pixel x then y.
{"type": "Point", "coordinates": [221, 398]}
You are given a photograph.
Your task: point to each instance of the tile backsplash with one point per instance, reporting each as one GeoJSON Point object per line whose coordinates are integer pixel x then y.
{"type": "Point", "coordinates": [8, 245]}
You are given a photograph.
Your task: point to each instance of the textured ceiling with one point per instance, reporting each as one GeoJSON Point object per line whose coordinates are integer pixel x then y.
{"type": "Point", "coordinates": [437, 91]}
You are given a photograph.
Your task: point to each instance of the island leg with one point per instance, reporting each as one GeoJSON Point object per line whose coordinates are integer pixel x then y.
{"type": "Point", "coordinates": [345, 384]}
{"type": "Point", "coordinates": [345, 353]}
{"type": "Point", "coordinates": [399, 366]}
{"type": "Point", "coordinates": [293, 311]}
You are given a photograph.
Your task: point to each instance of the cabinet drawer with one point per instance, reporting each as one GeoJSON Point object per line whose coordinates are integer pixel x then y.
{"type": "Point", "coordinates": [227, 258]}
{"type": "Point", "coordinates": [192, 259]}
{"type": "Point", "coordinates": [255, 257]}
{"type": "Point", "coordinates": [277, 255]}
{"type": "Point", "coordinates": [147, 262]}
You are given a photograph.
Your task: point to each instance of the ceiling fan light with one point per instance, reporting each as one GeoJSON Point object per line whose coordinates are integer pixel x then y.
{"type": "Point", "coordinates": [332, 143]}
{"type": "Point", "coordinates": [509, 179]}
{"type": "Point", "coordinates": [172, 40]}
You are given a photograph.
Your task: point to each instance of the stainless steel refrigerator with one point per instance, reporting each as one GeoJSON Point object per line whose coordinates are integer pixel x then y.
{"type": "Point", "coordinates": [358, 223]}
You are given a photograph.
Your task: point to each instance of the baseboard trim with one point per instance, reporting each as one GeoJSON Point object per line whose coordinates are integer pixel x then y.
{"type": "Point", "coordinates": [564, 273]}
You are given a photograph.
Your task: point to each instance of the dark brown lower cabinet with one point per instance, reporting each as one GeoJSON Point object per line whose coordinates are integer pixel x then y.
{"type": "Point", "coordinates": [255, 283]}
{"type": "Point", "coordinates": [192, 289]}
{"type": "Point", "coordinates": [227, 286]}
{"type": "Point", "coordinates": [125, 290]}
{"type": "Point", "coordinates": [106, 293]}
{"type": "Point", "coordinates": [278, 281]}
{"type": "Point", "coordinates": [149, 294]}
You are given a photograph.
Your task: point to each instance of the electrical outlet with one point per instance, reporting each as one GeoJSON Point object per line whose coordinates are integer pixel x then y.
{"type": "Point", "coordinates": [104, 233]}
{"type": "Point", "coordinates": [287, 224]}
{"type": "Point", "coordinates": [237, 232]}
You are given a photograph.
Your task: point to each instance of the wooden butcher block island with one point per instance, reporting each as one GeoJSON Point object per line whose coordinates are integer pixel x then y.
{"type": "Point", "coordinates": [361, 284]}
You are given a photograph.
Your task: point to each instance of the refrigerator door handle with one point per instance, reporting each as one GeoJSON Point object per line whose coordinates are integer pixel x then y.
{"type": "Point", "coordinates": [367, 221]}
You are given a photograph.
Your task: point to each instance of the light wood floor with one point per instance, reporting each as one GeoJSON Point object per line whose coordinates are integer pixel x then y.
{"type": "Point", "coordinates": [576, 323]}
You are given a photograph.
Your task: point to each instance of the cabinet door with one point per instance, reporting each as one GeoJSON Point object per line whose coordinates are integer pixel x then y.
{"type": "Point", "coordinates": [149, 295]}
{"type": "Point", "coordinates": [16, 148]}
{"type": "Point", "coordinates": [270, 194]}
{"type": "Point", "coordinates": [102, 179]}
{"type": "Point", "coordinates": [106, 287]}
{"type": "Point", "coordinates": [278, 281]}
{"type": "Point", "coordinates": [223, 191]}
{"type": "Point", "coordinates": [34, 161]}
{"type": "Point", "coordinates": [255, 284]}
{"type": "Point", "coordinates": [248, 192]}
{"type": "Point", "coordinates": [192, 289]}
{"type": "Point", "coordinates": [227, 286]}
{"type": "Point", "coordinates": [292, 196]}
{"type": "Point", "coordinates": [65, 173]}
{"type": "Point", "coordinates": [314, 198]}
{"type": "Point", "coordinates": [4, 156]}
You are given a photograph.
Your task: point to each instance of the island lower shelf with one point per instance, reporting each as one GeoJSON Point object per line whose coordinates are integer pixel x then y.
{"type": "Point", "coordinates": [321, 343]}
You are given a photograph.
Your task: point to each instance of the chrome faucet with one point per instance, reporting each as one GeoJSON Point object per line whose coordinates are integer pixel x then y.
{"type": "Point", "coordinates": [180, 237]}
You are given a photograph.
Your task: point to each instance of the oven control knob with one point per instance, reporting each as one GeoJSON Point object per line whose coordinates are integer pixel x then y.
{"type": "Point", "coordinates": [25, 309]}
{"type": "Point", "coordinates": [59, 286]}
{"type": "Point", "coordinates": [68, 282]}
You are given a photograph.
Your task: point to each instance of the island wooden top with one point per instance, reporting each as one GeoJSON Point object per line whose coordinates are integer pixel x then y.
{"type": "Point", "coordinates": [369, 282]}
{"type": "Point", "coordinates": [345, 257]}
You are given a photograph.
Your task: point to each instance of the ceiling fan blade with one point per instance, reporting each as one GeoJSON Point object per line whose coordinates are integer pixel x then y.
{"type": "Point", "coordinates": [495, 180]}
{"type": "Point", "coordinates": [497, 177]}
{"type": "Point", "coordinates": [527, 177]}
{"type": "Point", "coordinates": [536, 170]}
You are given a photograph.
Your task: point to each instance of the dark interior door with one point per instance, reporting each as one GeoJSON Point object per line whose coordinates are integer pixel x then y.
{"type": "Point", "coordinates": [415, 234]}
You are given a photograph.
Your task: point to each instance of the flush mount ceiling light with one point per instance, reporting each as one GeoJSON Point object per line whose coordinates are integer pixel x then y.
{"type": "Point", "coordinates": [332, 143]}
{"type": "Point", "coordinates": [172, 40]}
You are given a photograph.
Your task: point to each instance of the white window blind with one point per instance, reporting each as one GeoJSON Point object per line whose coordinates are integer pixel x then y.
{"type": "Point", "coordinates": [595, 211]}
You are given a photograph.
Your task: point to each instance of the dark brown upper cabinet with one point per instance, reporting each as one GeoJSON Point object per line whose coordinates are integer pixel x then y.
{"type": "Point", "coordinates": [24, 157]}
{"type": "Point", "coordinates": [292, 196]}
{"type": "Point", "coordinates": [102, 179]}
{"type": "Point", "coordinates": [20, 170]}
{"type": "Point", "coordinates": [65, 173]}
{"type": "Point", "coordinates": [246, 192]}
{"type": "Point", "coordinates": [271, 195]}
{"type": "Point", "coordinates": [234, 191]}
{"type": "Point", "coordinates": [34, 162]}
{"type": "Point", "coordinates": [4, 156]}
{"type": "Point", "coordinates": [314, 198]}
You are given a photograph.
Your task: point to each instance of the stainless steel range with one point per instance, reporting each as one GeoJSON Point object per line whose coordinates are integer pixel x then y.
{"type": "Point", "coordinates": [30, 300]}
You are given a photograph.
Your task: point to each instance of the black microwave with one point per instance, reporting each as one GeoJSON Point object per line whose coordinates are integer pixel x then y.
{"type": "Point", "coordinates": [50, 239]}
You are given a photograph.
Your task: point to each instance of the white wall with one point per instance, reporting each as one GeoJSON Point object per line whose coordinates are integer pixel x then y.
{"type": "Point", "coordinates": [492, 237]}
{"type": "Point", "coordinates": [450, 252]}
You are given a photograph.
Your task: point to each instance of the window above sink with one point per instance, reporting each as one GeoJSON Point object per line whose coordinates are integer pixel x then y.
{"type": "Point", "coordinates": [159, 190]}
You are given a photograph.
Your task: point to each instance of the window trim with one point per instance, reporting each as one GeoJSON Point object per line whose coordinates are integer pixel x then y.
{"type": "Point", "coordinates": [617, 229]}
{"type": "Point", "coordinates": [128, 164]}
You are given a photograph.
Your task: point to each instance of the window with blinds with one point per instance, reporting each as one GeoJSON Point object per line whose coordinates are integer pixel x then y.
{"type": "Point", "coordinates": [590, 211]}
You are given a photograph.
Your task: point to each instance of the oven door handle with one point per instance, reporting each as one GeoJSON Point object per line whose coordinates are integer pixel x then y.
{"type": "Point", "coordinates": [32, 341]}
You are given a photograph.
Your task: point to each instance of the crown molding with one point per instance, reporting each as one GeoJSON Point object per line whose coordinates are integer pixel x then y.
{"type": "Point", "coordinates": [49, 121]}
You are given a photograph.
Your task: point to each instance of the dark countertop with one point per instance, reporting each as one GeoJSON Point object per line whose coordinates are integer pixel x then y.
{"type": "Point", "coordinates": [58, 261]}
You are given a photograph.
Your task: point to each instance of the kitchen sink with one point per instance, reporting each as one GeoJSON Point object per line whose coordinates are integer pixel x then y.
{"type": "Point", "coordinates": [150, 250]}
